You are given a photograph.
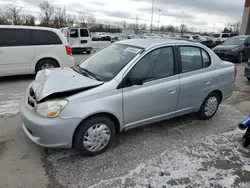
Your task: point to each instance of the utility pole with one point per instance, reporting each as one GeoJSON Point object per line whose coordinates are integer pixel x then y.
{"type": "Point", "coordinates": [136, 25]}
{"type": "Point", "coordinates": [152, 15]}
{"type": "Point", "coordinates": [182, 28]}
{"type": "Point", "coordinates": [159, 19]}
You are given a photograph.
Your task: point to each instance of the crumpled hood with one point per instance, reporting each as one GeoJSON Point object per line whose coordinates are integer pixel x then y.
{"type": "Point", "coordinates": [60, 80]}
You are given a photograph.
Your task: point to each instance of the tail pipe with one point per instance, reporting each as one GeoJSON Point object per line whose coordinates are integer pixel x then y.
{"type": "Point", "coordinates": [244, 124]}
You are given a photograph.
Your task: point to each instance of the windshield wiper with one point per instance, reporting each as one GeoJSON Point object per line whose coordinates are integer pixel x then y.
{"type": "Point", "coordinates": [90, 73]}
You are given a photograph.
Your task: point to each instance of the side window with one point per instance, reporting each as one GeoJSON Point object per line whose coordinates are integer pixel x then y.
{"type": "Point", "coordinates": [84, 33]}
{"type": "Point", "coordinates": [190, 58]}
{"type": "Point", "coordinates": [74, 33]}
{"type": "Point", "coordinates": [193, 58]}
{"type": "Point", "coordinates": [206, 59]}
{"type": "Point", "coordinates": [43, 37]}
{"type": "Point", "coordinates": [13, 37]}
{"type": "Point", "coordinates": [155, 65]}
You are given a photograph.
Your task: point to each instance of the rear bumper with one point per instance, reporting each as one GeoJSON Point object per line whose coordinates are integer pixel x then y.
{"type": "Point", "coordinates": [82, 49]}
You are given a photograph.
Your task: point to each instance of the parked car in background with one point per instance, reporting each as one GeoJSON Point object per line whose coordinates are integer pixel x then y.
{"type": "Point", "coordinates": [127, 84]}
{"type": "Point", "coordinates": [27, 50]}
{"type": "Point", "coordinates": [219, 38]}
{"type": "Point", "coordinates": [79, 39]}
{"type": "Point", "coordinates": [234, 49]}
{"type": "Point", "coordinates": [247, 70]}
{"type": "Point", "coordinates": [96, 36]}
{"type": "Point", "coordinates": [203, 40]}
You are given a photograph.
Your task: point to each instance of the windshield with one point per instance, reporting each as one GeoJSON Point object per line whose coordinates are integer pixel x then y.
{"type": "Point", "coordinates": [186, 37]}
{"type": "Point", "coordinates": [235, 41]}
{"type": "Point", "coordinates": [216, 35]}
{"type": "Point", "coordinates": [108, 62]}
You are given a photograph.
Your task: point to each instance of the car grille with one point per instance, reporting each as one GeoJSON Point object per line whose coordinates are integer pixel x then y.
{"type": "Point", "coordinates": [32, 98]}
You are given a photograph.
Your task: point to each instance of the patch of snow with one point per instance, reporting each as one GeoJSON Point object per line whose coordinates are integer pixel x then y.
{"type": "Point", "coordinates": [213, 161]}
{"type": "Point", "coordinates": [10, 107]}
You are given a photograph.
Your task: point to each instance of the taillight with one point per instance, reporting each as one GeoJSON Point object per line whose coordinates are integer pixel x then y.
{"type": "Point", "coordinates": [235, 71]}
{"type": "Point", "coordinates": [67, 35]}
{"type": "Point", "coordinates": [68, 50]}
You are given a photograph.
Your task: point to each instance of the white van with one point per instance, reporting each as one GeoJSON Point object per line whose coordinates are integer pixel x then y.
{"type": "Point", "coordinates": [219, 38]}
{"type": "Point", "coordinates": [26, 50]}
{"type": "Point", "coordinates": [79, 39]}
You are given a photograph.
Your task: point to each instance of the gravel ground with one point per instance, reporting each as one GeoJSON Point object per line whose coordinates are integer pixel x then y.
{"type": "Point", "coordinates": [182, 152]}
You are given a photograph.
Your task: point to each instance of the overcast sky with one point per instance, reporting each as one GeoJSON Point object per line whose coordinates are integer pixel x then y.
{"type": "Point", "coordinates": [200, 14]}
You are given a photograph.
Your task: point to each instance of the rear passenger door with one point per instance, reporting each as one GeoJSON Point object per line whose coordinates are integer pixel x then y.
{"type": "Point", "coordinates": [85, 38]}
{"type": "Point", "coordinates": [16, 53]}
{"type": "Point", "coordinates": [195, 77]}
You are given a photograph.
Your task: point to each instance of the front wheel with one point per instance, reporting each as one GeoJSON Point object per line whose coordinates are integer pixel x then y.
{"type": "Point", "coordinates": [88, 52]}
{"type": "Point", "coordinates": [248, 79]}
{"type": "Point", "coordinates": [46, 64]}
{"type": "Point", "coordinates": [94, 136]}
{"type": "Point", "coordinates": [209, 107]}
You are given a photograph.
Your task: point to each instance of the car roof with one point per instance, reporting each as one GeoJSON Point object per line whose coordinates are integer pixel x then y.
{"type": "Point", "coordinates": [26, 27]}
{"type": "Point", "coordinates": [148, 43]}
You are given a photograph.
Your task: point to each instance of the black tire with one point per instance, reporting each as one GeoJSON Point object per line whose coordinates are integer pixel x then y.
{"type": "Point", "coordinates": [88, 52]}
{"type": "Point", "coordinates": [201, 114]}
{"type": "Point", "coordinates": [84, 126]}
{"type": "Point", "coordinates": [43, 62]}
{"type": "Point", "coordinates": [240, 57]}
{"type": "Point", "coordinates": [248, 79]}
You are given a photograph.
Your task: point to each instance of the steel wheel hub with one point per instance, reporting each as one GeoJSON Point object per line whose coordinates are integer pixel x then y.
{"type": "Point", "coordinates": [47, 66]}
{"type": "Point", "coordinates": [96, 137]}
{"type": "Point", "coordinates": [211, 106]}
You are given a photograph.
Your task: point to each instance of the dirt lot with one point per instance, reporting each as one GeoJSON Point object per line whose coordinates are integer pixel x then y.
{"type": "Point", "coordinates": [182, 152]}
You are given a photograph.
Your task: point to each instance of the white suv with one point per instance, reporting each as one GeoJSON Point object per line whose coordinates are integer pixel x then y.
{"type": "Point", "coordinates": [26, 50]}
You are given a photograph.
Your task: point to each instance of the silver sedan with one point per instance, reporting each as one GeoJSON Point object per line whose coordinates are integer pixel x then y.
{"type": "Point", "coordinates": [127, 84]}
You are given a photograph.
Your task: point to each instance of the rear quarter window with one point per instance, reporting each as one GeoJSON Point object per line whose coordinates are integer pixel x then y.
{"type": "Point", "coordinates": [43, 37]}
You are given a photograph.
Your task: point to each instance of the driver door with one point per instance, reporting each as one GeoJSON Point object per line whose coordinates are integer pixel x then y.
{"type": "Point", "coordinates": [157, 98]}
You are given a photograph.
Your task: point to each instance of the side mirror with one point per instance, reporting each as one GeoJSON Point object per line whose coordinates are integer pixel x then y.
{"type": "Point", "coordinates": [134, 81]}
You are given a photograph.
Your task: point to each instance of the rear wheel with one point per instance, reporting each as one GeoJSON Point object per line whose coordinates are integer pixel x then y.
{"type": "Point", "coordinates": [88, 52]}
{"type": "Point", "coordinates": [248, 79]}
{"type": "Point", "coordinates": [46, 64]}
{"type": "Point", "coordinates": [94, 136]}
{"type": "Point", "coordinates": [209, 107]}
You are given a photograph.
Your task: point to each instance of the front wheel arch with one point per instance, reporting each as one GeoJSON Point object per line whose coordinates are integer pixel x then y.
{"type": "Point", "coordinates": [109, 115]}
{"type": "Point", "coordinates": [47, 58]}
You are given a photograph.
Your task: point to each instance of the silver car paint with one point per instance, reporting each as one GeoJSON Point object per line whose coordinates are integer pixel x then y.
{"type": "Point", "coordinates": [153, 101]}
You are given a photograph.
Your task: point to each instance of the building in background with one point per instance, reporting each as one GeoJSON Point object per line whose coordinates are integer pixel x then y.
{"type": "Point", "coordinates": [245, 24]}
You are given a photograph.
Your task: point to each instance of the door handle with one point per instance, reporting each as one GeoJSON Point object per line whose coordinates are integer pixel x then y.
{"type": "Point", "coordinates": [172, 90]}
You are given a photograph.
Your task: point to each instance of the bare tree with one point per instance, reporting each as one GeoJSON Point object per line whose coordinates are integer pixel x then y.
{"type": "Point", "coordinates": [47, 12]}
{"type": "Point", "coordinates": [28, 20]}
{"type": "Point", "coordinates": [71, 20]}
{"type": "Point", "coordinates": [81, 19]}
{"type": "Point", "coordinates": [13, 12]}
{"type": "Point", "coordinates": [91, 20]}
{"type": "Point", "coordinates": [59, 19]}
